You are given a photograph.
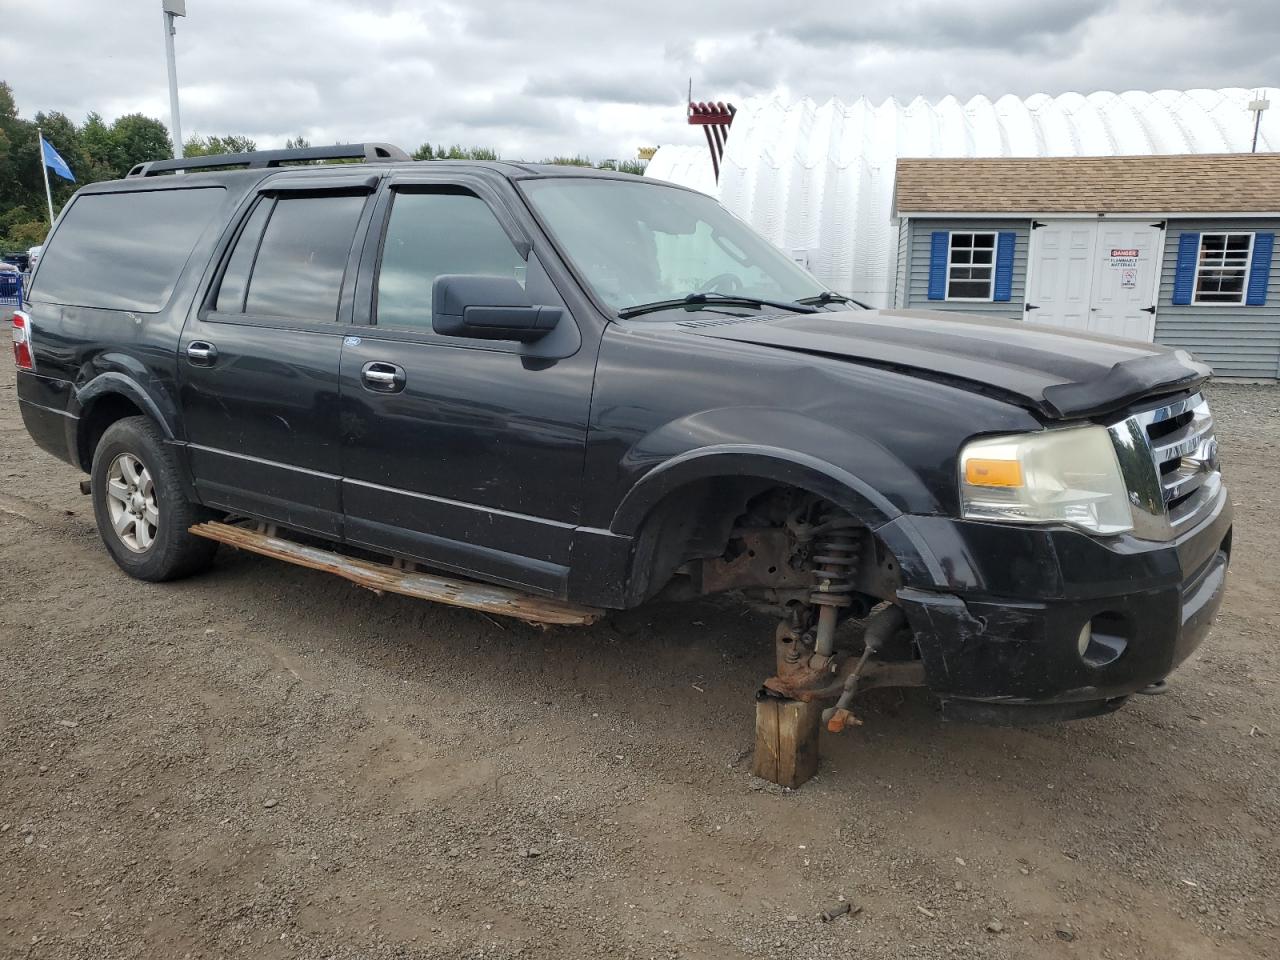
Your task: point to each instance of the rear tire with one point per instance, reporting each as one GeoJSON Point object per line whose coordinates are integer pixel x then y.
{"type": "Point", "coordinates": [142, 512]}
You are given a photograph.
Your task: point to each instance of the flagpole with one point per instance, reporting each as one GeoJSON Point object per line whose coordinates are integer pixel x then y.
{"type": "Point", "coordinates": [44, 168]}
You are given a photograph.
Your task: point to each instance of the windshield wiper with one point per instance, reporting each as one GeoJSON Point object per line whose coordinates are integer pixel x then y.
{"type": "Point", "coordinates": [830, 296]}
{"type": "Point", "coordinates": [702, 299]}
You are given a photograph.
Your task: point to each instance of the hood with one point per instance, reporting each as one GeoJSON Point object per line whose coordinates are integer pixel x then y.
{"type": "Point", "coordinates": [1058, 373]}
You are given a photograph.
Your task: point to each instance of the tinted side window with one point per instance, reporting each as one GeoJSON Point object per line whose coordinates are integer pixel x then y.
{"type": "Point", "coordinates": [302, 257]}
{"type": "Point", "coordinates": [430, 234]}
{"type": "Point", "coordinates": [124, 251]}
{"type": "Point", "coordinates": [235, 281]}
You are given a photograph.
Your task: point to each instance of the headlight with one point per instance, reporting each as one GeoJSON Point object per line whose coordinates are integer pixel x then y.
{"type": "Point", "coordinates": [1058, 476]}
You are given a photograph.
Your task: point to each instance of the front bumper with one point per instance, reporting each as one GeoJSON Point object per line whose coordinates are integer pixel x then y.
{"type": "Point", "coordinates": [997, 611]}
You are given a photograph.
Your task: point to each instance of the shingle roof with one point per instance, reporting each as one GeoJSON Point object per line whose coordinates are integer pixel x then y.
{"type": "Point", "coordinates": [1192, 183]}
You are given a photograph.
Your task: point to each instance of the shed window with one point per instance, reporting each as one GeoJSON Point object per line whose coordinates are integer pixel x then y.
{"type": "Point", "coordinates": [1222, 269]}
{"type": "Point", "coordinates": [971, 266]}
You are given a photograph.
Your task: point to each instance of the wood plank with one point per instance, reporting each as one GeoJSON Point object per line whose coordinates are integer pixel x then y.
{"type": "Point", "coordinates": [765, 763]}
{"type": "Point", "coordinates": [786, 740]}
{"type": "Point", "coordinates": [380, 577]}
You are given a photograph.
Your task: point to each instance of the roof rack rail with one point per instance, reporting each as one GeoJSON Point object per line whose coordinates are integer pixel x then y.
{"type": "Point", "coordinates": [369, 152]}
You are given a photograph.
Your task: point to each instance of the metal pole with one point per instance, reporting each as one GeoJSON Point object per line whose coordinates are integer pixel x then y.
{"type": "Point", "coordinates": [175, 121]}
{"type": "Point", "coordinates": [1257, 106]}
{"type": "Point", "coordinates": [44, 169]}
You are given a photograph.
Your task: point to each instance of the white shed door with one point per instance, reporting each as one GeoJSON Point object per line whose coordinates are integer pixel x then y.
{"type": "Point", "coordinates": [1101, 276]}
{"type": "Point", "coordinates": [1060, 279]}
{"type": "Point", "coordinates": [1127, 264]}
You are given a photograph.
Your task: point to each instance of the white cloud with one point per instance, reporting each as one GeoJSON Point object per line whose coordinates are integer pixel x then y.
{"type": "Point", "coordinates": [563, 76]}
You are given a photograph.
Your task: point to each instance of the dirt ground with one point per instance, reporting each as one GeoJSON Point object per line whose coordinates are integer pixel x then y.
{"type": "Point", "coordinates": [269, 762]}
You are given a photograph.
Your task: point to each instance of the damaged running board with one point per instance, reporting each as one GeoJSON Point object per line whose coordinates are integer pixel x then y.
{"type": "Point", "coordinates": [381, 577]}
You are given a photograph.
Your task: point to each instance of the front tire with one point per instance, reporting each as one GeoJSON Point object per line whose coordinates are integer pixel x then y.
{"type": "Point", "coordinates": [140, 507]}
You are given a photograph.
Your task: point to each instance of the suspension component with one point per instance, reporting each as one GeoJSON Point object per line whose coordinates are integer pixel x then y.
{"type": "Point", "coordinates": [881, 628]}
{"type": "Point", "coordinates": [837, 550]}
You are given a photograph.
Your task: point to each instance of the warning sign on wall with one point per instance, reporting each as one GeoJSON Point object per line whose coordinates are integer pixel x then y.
{"type": "Point", "coordinates": [1123, 258]}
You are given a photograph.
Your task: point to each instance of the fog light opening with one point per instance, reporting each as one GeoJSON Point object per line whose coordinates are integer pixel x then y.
{"type": "Point", "coordinates": [1103, 640]}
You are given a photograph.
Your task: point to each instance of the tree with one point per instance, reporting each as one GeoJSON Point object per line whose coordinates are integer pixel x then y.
{"type": "Point", "coordinates": [93, 150]}
{"type": "Point", "coordinates": [455, 152]}
{"type": "Point", "coordinates": [196, 146]}
{"type": "Point", "coordinates": [100, 147]}
{"type": "Point", "coordinates": [297, 143]}
{"type": "Point", "coordinates": [139, 139]}
{"type": "Point", "coordinates": [577, 160]}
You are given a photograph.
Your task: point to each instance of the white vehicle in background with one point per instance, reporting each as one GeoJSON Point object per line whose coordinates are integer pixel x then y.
{"type": "Point", "coordinates": [34, 254]}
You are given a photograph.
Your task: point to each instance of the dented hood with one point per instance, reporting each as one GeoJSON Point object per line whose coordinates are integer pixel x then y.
{"type": "Point", "coordinates": [1060, 374]}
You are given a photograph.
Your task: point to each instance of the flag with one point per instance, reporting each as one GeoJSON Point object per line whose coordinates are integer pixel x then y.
{"type": "Point", "coordinates": [54, 162]}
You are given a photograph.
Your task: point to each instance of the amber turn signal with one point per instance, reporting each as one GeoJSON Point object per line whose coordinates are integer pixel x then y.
{"type": "Point", "coordinates": [993, 473]}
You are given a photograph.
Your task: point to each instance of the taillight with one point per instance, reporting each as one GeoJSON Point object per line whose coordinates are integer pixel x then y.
{"type": "Point", "coordinates": [22, 341]}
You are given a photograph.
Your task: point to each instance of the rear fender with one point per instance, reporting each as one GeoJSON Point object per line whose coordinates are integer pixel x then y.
{"type": "Point", "coordinates": [155, 403]}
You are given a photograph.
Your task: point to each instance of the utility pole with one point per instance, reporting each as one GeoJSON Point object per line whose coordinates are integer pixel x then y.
{"type": "Point", "coordinates": [1257, 106]}
{"type": "Point", "coordinates": [172, 9]}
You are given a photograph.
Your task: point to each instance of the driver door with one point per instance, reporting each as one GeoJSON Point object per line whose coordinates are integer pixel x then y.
{"type": "Point", "coordinates": [465, 454]}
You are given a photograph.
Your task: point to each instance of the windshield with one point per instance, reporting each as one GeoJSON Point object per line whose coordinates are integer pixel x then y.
{"type": "Point", "coordinates": [638, 242]}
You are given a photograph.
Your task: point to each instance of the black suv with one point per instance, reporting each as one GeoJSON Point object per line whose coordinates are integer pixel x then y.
{"type": "Point", "coordinates": [598, 388]}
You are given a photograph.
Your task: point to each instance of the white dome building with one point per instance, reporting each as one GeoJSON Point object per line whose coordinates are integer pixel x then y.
{"type": "Point", "coordinates": [818, 180]}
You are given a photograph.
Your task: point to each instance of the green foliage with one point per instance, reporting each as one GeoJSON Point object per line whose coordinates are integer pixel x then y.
{"type": "Point", "coordinates": [139, 139]}
{"type": "Point", "coordinates": [574, 161]}
{"type": "Point", "coordinates": [621, 166]}
{"type": "Point", "coordinates": [297, 143]}
{"type": "Point", "coordinates": [94, 151]}
{"type": "Point", "coordinates": [209, 146]}
{"type": "Point", "coordinates": [455, 152]}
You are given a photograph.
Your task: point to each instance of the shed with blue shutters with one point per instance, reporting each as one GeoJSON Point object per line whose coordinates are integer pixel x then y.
{"type": "Point", "coordinates": [1177, 249]}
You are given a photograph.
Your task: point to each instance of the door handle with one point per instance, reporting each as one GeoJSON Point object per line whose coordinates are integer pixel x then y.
{"type": "Point", "coordinates": [382, 377]}
{"type": "Point", "coordinates": [200, 353]}
{"type": "Point", "coordinates": [1148, 309]}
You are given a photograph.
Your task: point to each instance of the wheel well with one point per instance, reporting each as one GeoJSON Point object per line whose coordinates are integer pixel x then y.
{"type": "Point", "coordinates": [697, 522]}
{"type": "Point", "coordinates": [94, 422]}
{"type": "Point", "coordinates": [690, 522]}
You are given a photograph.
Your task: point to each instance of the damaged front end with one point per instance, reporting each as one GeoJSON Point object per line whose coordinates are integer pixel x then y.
{"type": "Point", "coordinates": [817, 568]}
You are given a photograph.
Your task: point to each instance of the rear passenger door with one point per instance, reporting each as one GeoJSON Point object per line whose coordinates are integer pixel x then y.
{"type": "Point", "coordinates": [465, 453]}
{"type": "Point", "coordinates": [258, 364]}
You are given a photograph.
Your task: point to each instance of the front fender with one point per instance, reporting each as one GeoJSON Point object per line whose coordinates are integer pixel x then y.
{"type": "Point", "coordinates": [784, 446]}
{"type": "Point", "coordinates": [751, 460]}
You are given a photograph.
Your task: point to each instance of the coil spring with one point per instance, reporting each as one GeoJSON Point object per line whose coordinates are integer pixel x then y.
{"type": "Point", "coordinates": [837, 551]}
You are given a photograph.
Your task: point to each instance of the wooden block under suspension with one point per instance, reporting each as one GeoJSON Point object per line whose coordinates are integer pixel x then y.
{"type": "Point", "coordinates": [786, 740]}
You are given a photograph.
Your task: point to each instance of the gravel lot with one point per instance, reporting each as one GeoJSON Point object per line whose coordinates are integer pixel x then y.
{"type": "Point", "coordinates": [268, 762]}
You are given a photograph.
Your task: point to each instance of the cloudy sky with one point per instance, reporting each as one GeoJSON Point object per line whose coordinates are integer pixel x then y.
{"type": "Point", "coordinates": [536, 78]}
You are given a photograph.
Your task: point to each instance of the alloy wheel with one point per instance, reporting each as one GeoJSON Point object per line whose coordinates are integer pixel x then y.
{"type": "Point", "coordinates": [131, 503]}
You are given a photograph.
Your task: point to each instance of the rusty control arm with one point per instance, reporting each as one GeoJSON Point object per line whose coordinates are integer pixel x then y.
{"type": "Point", "coordinates": [883, 625]}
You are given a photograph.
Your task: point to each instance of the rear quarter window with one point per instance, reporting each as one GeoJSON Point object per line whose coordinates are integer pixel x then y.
{"type": "Point", "coordinates": [124, 251]}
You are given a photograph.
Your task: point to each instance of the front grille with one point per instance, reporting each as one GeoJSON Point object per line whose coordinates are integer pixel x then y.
{"type": "Point", "coordinates": [1182, 477]}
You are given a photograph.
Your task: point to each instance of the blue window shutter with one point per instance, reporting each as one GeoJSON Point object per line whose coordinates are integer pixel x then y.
{"type": "Point", "coordinates": [1184, 280]}
{"type": "Point", "coordinates": [1260, 269]}
{"type": "Point", "coordinates": [938, 244]}
{"type": "Point", "coordinates": [1004, 266]}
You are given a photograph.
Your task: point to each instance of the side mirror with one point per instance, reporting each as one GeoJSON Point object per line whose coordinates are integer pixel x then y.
{"type": "Point", "coordinates": [488, 308]}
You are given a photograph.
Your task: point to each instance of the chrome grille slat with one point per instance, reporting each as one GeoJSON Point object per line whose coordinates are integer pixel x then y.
{"type": "Point", "coordinates": [1185, 442]}
{"type": "Point", "coordinates": [1171, 469]}
{"type": "Point", "coordinates": [1171, 410]}
{"type": "Point", "coordinates": [1183, 483]}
